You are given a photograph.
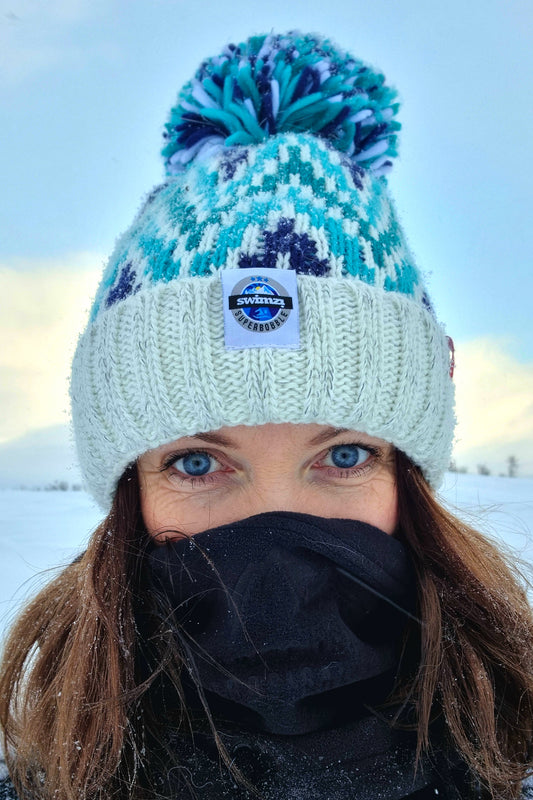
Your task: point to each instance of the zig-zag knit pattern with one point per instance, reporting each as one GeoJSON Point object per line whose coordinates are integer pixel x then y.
{"type": "Point", "coordinates": [290, 203]}
{"type": "Point", "coordinates": [154, 364]}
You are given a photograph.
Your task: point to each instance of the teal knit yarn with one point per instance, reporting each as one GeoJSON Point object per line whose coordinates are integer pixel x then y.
{"type": "Point", "coordinates": [290, 201]}
{"type": "Point", "coordinates": [279, 84]}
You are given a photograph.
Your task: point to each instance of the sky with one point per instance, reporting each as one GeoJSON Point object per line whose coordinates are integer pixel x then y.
{"type": "Point", "coordinates": [86, 86]}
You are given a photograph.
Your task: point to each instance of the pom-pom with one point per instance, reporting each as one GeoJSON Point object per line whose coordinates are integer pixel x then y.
{"type": "Point", "coordinates": [280, 83]}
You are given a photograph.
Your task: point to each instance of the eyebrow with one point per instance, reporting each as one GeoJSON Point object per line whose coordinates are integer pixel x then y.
{"type": "Point", "coordinates": [225, 441]}
{"type": "Point", "coordinates": [330, 433]}
{"type": "Point", "coordinates": [214, 438]}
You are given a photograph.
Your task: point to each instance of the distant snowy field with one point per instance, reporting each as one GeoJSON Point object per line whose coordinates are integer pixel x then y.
{"type": "Point", "coordinates": [40, 531]}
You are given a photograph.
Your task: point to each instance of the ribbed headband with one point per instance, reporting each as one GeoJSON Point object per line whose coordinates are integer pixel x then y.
{"type": "Point", "coordinates": [267, 279]}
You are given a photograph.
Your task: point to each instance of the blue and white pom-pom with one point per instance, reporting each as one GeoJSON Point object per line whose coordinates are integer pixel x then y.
{"type": "Point", "coordinates": [280, 83]}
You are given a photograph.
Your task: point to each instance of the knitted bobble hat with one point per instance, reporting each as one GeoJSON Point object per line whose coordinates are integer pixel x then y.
{"type": "Point", "coordinates": [268, 278]}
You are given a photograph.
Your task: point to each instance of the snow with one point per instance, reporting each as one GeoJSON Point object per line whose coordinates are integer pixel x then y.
{"type": "Point", "coordinates": [39, 532]}
{"type": "Point", "coordinates": [38, 458]}
{"type": "Point", "coordinates": [43, 530]}
{"type": "Point", "coordinates": [500, 507]}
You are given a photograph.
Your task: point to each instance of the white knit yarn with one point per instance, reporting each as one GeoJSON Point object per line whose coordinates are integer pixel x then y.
{"type": "Point", "coordinates": [154, 368]}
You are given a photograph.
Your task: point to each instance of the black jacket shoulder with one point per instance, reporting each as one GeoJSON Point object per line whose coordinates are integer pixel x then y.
{"type": "Point", "coordinates": [7, 790]}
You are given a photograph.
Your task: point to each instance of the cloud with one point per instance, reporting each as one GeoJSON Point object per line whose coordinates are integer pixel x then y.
{"type": "Point", "coordinates": [494, 406]}
{"type": "Point", "coordinates": [44, 306]}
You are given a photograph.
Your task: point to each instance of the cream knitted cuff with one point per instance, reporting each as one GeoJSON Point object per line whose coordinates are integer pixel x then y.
{"type": "Point", "coordinates": [154, 368]}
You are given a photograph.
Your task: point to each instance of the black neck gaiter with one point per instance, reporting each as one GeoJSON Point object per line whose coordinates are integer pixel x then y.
{"type": "Point", "coordinates": [289, 622]}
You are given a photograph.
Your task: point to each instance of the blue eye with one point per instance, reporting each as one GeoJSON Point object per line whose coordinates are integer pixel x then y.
{"type": "Point", "coordinates": [347, 456]}
{"type": "Point", "coordinates": [195, 464]}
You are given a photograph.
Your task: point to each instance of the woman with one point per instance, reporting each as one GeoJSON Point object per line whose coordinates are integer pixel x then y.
{"type": "Point", "coordinates": [275, 605]}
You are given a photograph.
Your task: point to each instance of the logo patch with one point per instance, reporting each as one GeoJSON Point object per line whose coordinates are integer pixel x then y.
{"type": "Point", "coordinates": [260, 308]}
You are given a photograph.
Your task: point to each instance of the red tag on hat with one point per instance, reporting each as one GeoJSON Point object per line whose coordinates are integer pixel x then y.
{"type": "Point", "coordinates": [451, 347]}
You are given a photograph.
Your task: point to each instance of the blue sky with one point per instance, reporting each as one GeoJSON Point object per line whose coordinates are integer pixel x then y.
{"type": "Point", "coordinates": [85, 87]}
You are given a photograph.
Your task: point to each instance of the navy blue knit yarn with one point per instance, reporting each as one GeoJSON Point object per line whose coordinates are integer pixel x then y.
{"type": "Point", "coordinates": [356, 172]}
{"type": "Point", "coordinates": [231, 160]}
{"type": "Point", "coordinates": [284, 83]}
{"type": "Point", "coordinates": [124, 286]}
{"type": "Point", "coordinates": [300, 247]}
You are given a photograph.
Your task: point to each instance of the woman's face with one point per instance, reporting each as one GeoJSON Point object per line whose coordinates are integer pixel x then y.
{"type": "Point", "coordinates": [211, 479]}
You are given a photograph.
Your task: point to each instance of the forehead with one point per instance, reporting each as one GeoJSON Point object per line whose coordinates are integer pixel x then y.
{"type": "Point", "coordinates": [273, 435]}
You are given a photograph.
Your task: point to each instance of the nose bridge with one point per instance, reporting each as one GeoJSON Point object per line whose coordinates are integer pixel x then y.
{"type": "Point", "coordinates": [280, 492]}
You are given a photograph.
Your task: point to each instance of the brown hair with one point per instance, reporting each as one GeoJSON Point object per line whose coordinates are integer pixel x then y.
{"type": "Point", "coordinates": [75, 708]}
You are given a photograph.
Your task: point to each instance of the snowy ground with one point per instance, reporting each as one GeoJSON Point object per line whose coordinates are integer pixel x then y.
{"type": "Point", "coordinates": [43, 530]}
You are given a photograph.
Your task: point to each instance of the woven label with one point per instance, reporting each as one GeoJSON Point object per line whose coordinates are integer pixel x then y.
{"type": "Point", "coordinates": [260, 308]}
